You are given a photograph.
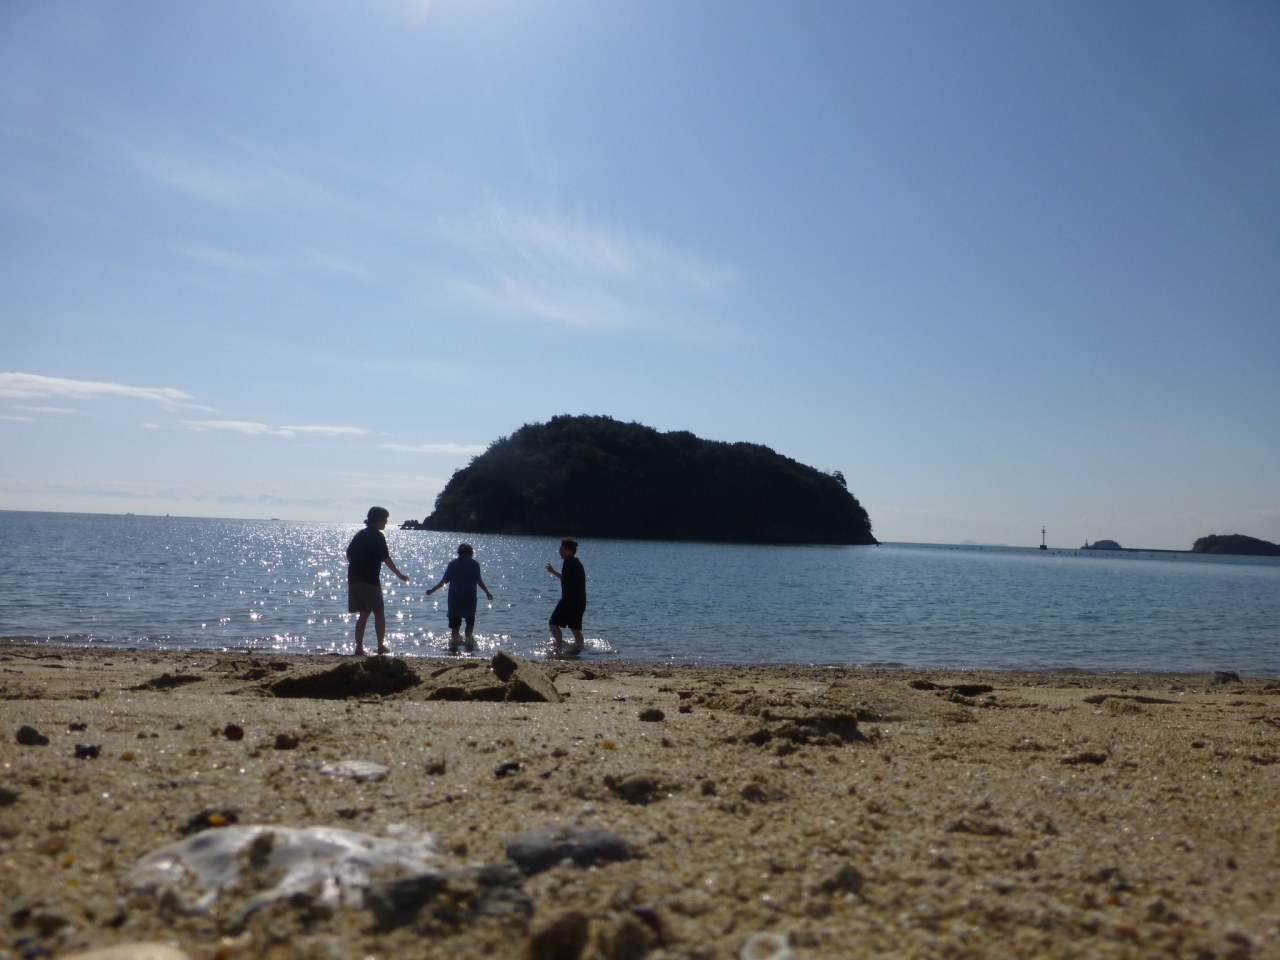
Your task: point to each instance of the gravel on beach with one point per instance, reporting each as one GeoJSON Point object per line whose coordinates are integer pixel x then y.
{"type": "Point", "coordinates": [617, 811]}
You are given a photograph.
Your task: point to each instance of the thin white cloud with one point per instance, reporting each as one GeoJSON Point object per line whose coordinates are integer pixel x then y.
{"type": "Point", "coordinates": [188, 176]}
{"type": "Point", "coordinates": [332, 264]}
{"type": "Point", "coordinates": [149, 426]}
{"type": "Point", "coordinates": [23, 406]}
{"type": "Point", "coordinates": [327, 431]}
{"type": "Point", "coordinates": [254, 429]}
{"type": "Point", "coordinates": [18, 419]}
{"type": "Point", "coordinates": [457, 448]}
{"type": "Point", "coordinates": [568, 271]}
{"type": "Point", "coordinates": [227, 259]}
{"type": "Point", "coordinates": [248, 427]}
{"type": "Point", "coordinates": [33, 386]}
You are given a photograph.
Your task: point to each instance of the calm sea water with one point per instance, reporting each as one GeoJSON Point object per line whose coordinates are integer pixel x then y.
{"type": "Point", "coordinates": [182, 582]}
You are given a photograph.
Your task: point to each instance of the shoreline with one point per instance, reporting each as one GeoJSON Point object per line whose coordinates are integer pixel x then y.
{"type": "Point", "coordinates": [1059, 813]}
{"type": "Point", "coordinates": [613, 661]}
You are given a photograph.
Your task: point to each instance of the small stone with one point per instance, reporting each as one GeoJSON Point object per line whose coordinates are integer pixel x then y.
{"type": "Point", "coordinates": [77, 727]}
{"type": "Point", "coordinates": [233, 732]}
{"type": "Point", "coordinates": [765, 946]}
{"type": "Point", "coordinates": [564, 938]}
{"type": "Point", "coordinates": [502, 769]}
{"type": "Point", "coordinates": [436, 768]}
{"type": "Point", "coordinates": [287, 741]}
{"type": "Point", "coordinates": [229, 947]}
{"type": "Point", "coordinates": [31, 737]}
{"type": "Point", "coordinates": [635, 789]}
{"type": "Point", "coordinates": [130, 951]}
{"type": "Point", "coordinates": [538, 850]}
{"type": "Point", "coordinates": [357, 770]}
{"type": "Point", "coordinates": [1224, 676]}
{"type": "Point", "coordinates": [8, 796]}
{"type": "Point", "coordinates": [207, 819]}
{"type": "Point", "coordinates": [87, 751]}
{"type": "Point", "coordinates": [652, 715]}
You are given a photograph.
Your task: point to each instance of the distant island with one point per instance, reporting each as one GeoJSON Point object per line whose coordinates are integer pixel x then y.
{"type": "Point", "coordinates": [1237, 544]}
{"type": "Point", "coordinates": [593, 476]}
{"type": "Point", "coordinates": [1101, 545]}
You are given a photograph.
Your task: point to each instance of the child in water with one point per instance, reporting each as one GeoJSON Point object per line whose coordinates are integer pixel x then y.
{"type": "Point", "coordinates": [573, 600]}
{"type": "Point", "coordinates": [463, 576]}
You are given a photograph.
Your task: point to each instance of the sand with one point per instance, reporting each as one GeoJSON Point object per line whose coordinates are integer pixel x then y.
{"type": "Point", "coordinates": [1061, 814]}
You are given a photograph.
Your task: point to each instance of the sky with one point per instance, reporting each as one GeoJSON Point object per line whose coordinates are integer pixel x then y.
{"type": "Point", "coordinates": [1004, 265]}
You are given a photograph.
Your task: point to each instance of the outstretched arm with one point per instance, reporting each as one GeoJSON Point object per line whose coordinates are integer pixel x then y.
{"type": "Point", "coordinates": [554, 572]}
{"type": "Point", "coordinates": [485, 589]}
{"type": "Point", "coordinates": [437, 586]}
{"type": "Point", "coordinates": [392, 564]}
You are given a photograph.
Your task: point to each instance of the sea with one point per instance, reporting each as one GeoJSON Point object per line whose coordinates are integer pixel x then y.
{"type": "Point", "coordinates": [189, 583]}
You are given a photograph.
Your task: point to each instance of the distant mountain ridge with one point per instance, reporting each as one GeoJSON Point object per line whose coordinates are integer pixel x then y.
{"type": "Point", "coordinates": [1236, 544]}
{"type": "Point", "coordinates": [593, 476]}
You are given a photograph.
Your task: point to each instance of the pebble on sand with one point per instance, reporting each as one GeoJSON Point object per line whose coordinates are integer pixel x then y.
{"type": "Point", "coordinates": [538, 850]}
{"type": "Point", "coordinates": [358, 770]}
{"type": "Point", "coordinates": [765, 946]}
{"type": "Point", "coordinates": [130, 951]}
{"type": "Point", "coordinates": [564, 938]}
{"type": "Point", "coordinates": [29, 736]}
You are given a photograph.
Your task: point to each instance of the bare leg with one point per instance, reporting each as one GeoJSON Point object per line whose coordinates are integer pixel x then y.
{"type": "Point", "coordinates": [471, 644]}
{"type": "Point", "coordinates": [380, 625]}
{"type": "Point", "coordinates": [361, 620]}
{"type": "Point", "coordinates": [578, 642]}
{"type": "Point", "coordinates": [557, 639]}
{"type": "Point", "coordinates": [453, 640]}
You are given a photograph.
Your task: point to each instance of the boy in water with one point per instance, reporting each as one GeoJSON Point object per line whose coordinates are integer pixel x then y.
{"type": "Point", "coordinates": [463, 576]}
{"type": "Point", "coordinates": [573, 599]}
{"type": "Point", "coordinates": [366, 553]}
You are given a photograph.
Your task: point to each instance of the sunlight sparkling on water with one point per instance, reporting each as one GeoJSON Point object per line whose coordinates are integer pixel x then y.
{"type": "Point", "coordinates": [158, 581]}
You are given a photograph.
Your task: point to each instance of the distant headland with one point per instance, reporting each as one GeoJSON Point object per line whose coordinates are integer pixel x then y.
{"type": "Point", "coordinates": [593, 476]}
{"type": "Point", "coordinates": [1237, 544]}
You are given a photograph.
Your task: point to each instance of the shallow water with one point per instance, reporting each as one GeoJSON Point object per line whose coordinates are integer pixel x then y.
{"type": "Point", "coordinates": [184, 582]}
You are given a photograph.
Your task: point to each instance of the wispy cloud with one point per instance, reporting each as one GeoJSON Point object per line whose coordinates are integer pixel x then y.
{"type": "Point", "coordinates": [254, 429]}
{"type": "Point", "coordinates": [188, 176]}
{"type": "Point", "coordinates": [327, 431]}
{"type": "Point", "coordinates": [33, 386]}
{"type": "Point", "coordinates": [23, 406]}
{"type": "Point", "coordinates": [568, 271]}
{"type": "Point", "coordinates": [227, 259]}
{"type": "Point", "coordinates": [457, 448]}
{"type": "Point", "coordinates": [18, 419]}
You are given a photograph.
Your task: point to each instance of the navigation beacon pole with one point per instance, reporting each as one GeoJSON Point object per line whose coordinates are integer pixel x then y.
{"type": "Point", "coordinates": [1043, 546]}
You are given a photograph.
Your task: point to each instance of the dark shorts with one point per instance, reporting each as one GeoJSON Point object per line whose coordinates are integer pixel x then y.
{"type": "Point", "coordinates": [364, 598]}
{"type": "Point", "coordinates": [568, 615]}
{"type": "Point", "coordinates": [456, 621]}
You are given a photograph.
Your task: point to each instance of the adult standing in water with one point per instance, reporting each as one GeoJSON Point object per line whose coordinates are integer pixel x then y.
{"type": "Point", "coordinates": [573, 599]}
{"type": "Point", "coordinates": [463, 576]}
{"type": "Point", "coordinates": [366, 553]}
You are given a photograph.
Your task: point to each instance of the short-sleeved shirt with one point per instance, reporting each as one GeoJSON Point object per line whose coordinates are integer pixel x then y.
{"type": "Point", "coordinates": [462, 574]}
{"type": "Point", "coordinates": [573, 583]}
{"type": "Point", "coordinates": [367, 550]}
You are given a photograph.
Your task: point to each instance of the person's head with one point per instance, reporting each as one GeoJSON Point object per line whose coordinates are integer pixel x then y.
{"type": "Point", "coordinates": [568, 548]}
{"type": "Point", "coordinates": [377, 517]}
{"type": "Point", "coordinates": [464, 550]}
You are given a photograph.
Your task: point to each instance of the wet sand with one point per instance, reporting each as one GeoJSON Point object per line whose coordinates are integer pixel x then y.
{"type": "Point", "coordinates": [1059, 814]}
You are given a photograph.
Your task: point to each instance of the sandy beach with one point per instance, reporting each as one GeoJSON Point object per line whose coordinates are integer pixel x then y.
{"type": "Point", "coordinates": [845, 812]}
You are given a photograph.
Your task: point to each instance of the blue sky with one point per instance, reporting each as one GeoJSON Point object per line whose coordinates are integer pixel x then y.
{"type": "Point", "coordinates": [1002, 264]}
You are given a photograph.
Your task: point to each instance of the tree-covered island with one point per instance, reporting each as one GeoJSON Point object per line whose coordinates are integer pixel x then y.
{"type": "Point", "coordinates": [1236, 544]}
{"type": "Point", "coordinates": [599, 477]}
